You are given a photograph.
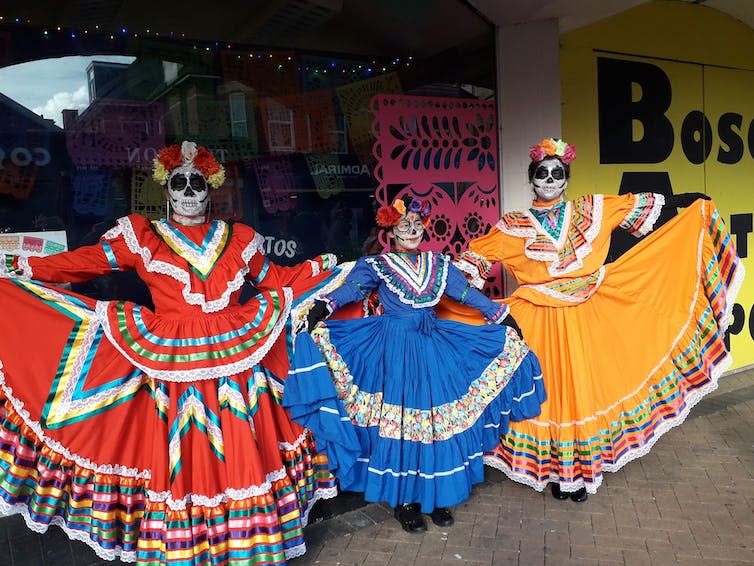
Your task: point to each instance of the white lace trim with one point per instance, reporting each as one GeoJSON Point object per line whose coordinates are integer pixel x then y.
{"type": "Point", "coordinates": [300, 308]}
{"type": "Point", "coordinates": [649, 224]}
{"type": "Point", "coordinates": [201, 259]}
{"type": "Point", "coordinates": [181, 275]}
{"type": "Point", "coordinates": [300, 549]}
{"type": "Point", "coordinates": [398, 292]}
{"type": "Point", "coordinates": [314, 267]}
{"type": "Point", "coordinates": [474, 278]}
{"type": "Point", "coordinates": [552, 257]}
{"type": "Point", "coordinates": [230, 494]}
{"type": "Point", "coordinates": [23, 265]}
{"type": "Point", "coordinates": [545, 290]}
{"type": "Point", "coordinates": [58, 448]}
{"type": "Point", "coordinates": [657, 433]}
{"type": "Point", "coordinates": [691, 400]}
{"type": "Point", "coordinates": [321, 493]}
{"type": "Point", "coordinates": [209, 372]}
{"type": "Point", "coordinates": [26, 271]}
{"type": "Point", "coordinates": [296, 443]}
{"type": "Point", "coordinates": [105, 553]}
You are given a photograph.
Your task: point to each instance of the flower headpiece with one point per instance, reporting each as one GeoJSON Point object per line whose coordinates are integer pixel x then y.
{"type": "Point", "coordinates": [189, 155]}
{"type": "Point", "coordinates": [553, 147]}
{"type": "Point", "coordinates": [389, 216]}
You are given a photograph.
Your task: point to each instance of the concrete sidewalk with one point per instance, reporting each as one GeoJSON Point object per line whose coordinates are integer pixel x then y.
{"type": "Point", "coordinates": [689, 501]}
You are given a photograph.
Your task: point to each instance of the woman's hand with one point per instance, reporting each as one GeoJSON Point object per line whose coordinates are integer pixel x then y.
{"type": "Point", "coordinates": [319, 311]}
{"type": "Point", "coordinates": [684, 199]}
{"type": "Point", "coordinates": [510, 321]}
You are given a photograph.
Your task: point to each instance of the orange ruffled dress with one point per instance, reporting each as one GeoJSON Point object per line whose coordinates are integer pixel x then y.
{"type": "Point", "coordinates": [158, 437]}
{"type": "Point", "coordinates": [627, 348]}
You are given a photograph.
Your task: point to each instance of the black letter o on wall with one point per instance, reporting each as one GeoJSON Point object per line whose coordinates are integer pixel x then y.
{"type": "Point", "coordinates": [696, 150]}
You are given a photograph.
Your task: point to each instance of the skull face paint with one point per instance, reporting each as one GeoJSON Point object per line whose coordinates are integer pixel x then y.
{"type": "Point", "coordinates": [187, 190]}
{"type": "Point", "coordinates": [408, 233]}
{"type": "Point", "coordinates": [549, 179]}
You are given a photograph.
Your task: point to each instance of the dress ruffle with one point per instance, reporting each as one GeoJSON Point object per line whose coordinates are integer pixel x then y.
{"type": "Point", "coordinates": [103, 443]}
{"type": "Point", "coordinates": [403, 415]}
{"type": "Point", "coordinates": [120, 517]}
{"type": "Point", "coordinates": [628, 364]}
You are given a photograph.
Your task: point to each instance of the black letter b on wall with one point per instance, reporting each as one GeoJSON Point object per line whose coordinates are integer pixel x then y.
{"type": "Point", "coordinates": [618, 112]}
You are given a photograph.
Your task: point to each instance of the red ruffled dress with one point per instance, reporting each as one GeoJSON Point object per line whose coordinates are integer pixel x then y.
{"type": "Point", "coordinates": [158, 437]}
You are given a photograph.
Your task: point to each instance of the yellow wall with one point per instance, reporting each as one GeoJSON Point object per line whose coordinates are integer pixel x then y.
{"type": "Point", "coordinates": [680, 61]}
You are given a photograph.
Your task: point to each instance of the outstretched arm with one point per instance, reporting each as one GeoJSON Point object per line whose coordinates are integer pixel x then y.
{"type": "Point", "coordinates": [81, 264]}
{"type": "Point", "coordinates": [684, 200]}
{"type": "Point", "coordinates": [357, 286]}
{"type": "Point", "coordinates": [266, 274]}
{"type": "Point", "coordinates": [458, 288]}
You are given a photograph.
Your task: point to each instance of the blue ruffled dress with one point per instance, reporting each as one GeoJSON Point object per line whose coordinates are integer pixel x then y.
{"type": "Point", "coordinates": [405, 404]}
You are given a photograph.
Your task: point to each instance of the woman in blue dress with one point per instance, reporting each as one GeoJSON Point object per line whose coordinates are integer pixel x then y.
{"type": "Point", "coordinates": [405, 404]}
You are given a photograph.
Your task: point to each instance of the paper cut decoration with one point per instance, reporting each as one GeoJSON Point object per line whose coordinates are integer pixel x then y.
{"type": "Point", "coordinates": [323, 171]}
{"type": "Point", "coordinates": [34, 243]}
{"type": "Point", "coordinates": [354, 100]}
{"type": "Point", "coordinates": [147, 196]}
{"type": "Point", "coordinates": [276, 183]}
{"type": "Point", "coordinates": [115, 133]}
{"type": "Point", "coordinates": [91, 191]}
{"type": "Point", "coordinates": [443, 150]}
{"type": "Point", "coordinates": [17, 181]}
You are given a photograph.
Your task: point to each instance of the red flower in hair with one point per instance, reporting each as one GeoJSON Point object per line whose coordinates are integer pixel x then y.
{"type": "Point", "coordinates": [170, 157]}
{"type": "Point", "coordinates": [387, 216]}
{"type": "Point", "coordinates": [205, 162]}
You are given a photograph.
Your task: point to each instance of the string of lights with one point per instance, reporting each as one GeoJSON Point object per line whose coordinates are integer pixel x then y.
{"type": "Point", "coordinates": [282, 60]}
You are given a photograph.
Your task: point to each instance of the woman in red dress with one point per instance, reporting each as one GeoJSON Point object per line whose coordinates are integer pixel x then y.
{"type": "Point", "coordinates": [158, 436]}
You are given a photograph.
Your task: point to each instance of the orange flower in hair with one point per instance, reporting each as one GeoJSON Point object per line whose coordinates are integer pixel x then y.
{"type": "Point", "coordinates": [388, 216]}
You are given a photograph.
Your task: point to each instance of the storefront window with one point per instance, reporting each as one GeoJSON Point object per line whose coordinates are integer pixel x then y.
{"type": "Point", "coordinates": [290, 113]}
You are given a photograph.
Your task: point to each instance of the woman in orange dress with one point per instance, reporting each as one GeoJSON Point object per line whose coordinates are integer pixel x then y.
{"type": "Point", "coordinates": [626, 348]}
{"type": "Point", "coordinates": [159, 436]}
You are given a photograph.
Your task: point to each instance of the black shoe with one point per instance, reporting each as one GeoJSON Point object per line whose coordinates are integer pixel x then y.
{"type": "Point", "coordinates": [557, 494]}
{"type": "Point", "coordinates": [441, 517]}
{"type": "Point", "coordinates": [410, 518]}
{"type": "Point", "coordinates": [579, 496]}
{"type": "Point", "coordinates": [320, 512]}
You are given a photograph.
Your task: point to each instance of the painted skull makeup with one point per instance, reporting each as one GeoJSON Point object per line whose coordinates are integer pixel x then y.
{"type": "Point", "coordinates": [409, 232]}
{"type": "Point", "coordinates": [187, 190]}
{"type": "Point", "coordinates": [549, 179]}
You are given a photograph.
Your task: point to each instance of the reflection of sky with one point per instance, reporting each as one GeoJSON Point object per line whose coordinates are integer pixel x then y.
{"type": "Point", "coordinates": [49, 86]}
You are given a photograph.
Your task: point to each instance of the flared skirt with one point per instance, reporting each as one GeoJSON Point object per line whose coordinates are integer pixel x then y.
{"type": "Point", "coordinates": [405, 406]}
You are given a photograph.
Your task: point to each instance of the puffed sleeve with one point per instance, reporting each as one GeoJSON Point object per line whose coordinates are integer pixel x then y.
{"type": "Point", "coordinates": [641, 211]}
{"type": "Point", "coordinates": [360, 282]}
{"type": "Point", "coordinates": [489, 246]}
{"type": "Point", "coordinates": [458, 288]}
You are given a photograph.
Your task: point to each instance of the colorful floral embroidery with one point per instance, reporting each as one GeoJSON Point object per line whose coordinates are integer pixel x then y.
{"type": "Point", "coordinates": [418, 279]}
{"type": "Point", "coordinates": [571, 290]}
{"type": "Point", "coordinates": [417, 425]}
{"type": "Point", "coordinates": [561, 235]}
{"type": "Point", "coordinates": [644, 214]}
